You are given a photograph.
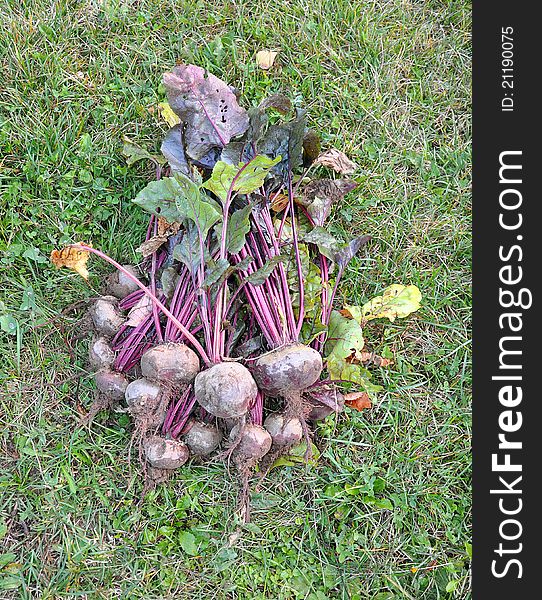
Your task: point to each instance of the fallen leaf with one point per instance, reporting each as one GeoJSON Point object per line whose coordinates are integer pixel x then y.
{"type": "Point", "coordinates": [358, 400]}
{"type": "Point", "coordinates": [265, 59]}
{"type": "Point", "coordinates": [336, 160]}
{"type": "Point", "coordinates": [168, 115]}
{"type": "Point", "coordinates": [72, 258]}
{"type": "Point", "coordinates": [371, 357]}
{"type": "Point", "coordinates": [140, 311]}
{"type": "Point", "coordinates": [397, 301]}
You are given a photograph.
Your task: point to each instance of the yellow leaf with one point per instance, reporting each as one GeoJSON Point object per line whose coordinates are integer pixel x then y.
{"type": "Point", "coordinates": [72, 258]}
{"type": "Point", "coordinates": [397, 301]}
{"type": "Point", "coordinates": [265, 59]}
{"type": "Point", "coordinates": [168, 115]}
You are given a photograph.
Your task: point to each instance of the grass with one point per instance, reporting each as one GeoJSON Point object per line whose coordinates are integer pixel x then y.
{"type": "Point", "coordinates": [386, 513]}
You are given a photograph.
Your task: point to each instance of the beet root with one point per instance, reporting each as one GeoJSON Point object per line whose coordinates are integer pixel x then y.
{"type": "Point", "coordinates": [120, 285]}
{"type": "Point", "coordinates": [170, 363]}
{"type": "Point", "coordinates": [254, 443]}
{"type": "Point", "coordinates": [113, 385]}
{"type": "Point", "coordinates": [146, 403]}
{"type": "Point", "coordinates": [226, 389]}
{"type": "Point", "coordinates": [202, 438]}
{"type": "Point", "coordinates": [285, 431]}
{"type": "Point", "coordinates": [162, 453]}
{"type": "Point", "coordinates": [287, 370]}
{"type": "Point", "coordinates": [100, 354]}
{"type": "Point", "coordinates": [106, 317]}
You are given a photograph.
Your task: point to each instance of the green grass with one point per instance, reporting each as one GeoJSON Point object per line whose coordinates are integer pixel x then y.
{"type": "Point", "coordinates": [386, 513]}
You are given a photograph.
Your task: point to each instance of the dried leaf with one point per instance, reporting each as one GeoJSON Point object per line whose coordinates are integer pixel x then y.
{"type": "Point", "coordinates": [140, 311]}
{"type": "Point", "coordinates": [150, 246]}
{"type": "Point", "coordinates": [278, 102]}
{"type": "Point", "coordinates": [207, 107]}
{"type": "Point", "coordinates": [72, 258]}
{"type": "Point", "coordinates": [319, 195]}
{"type": "Point", "coordinates": [278, 202]}
{"type": "Point", "coordinates": [166, 228]}
{"type": "Point", "coordinates": [358, 400]}
{"type": "Point", "coordinates": [168, 115]}
{"type": "Point", "coordinates": [375, 359]}
{"type": "Point", "coordinates": [336, 160]}
{"type": "Point", "coordinates": [265, 59]}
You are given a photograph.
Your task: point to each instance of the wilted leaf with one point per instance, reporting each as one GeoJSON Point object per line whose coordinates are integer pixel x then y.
{"type": "Point", "coordinates": [243, 178]}
{"type": "Point", "coordinates": [311, 147]}
{"type": "Point", "coordinates": [358, 400]}
{"type": "Point", "coordinates": [285, 140]}
{"type": "Point", "coordinates": [336, 160]}
{"type": "Point", "coordinates": [397, 301]}
{"type": "Point", "coordinates": [340, 369]}
{"type": "Point", "coordinates": [319, 195]}
{"type": "Point", "coordinates": [140, 311]}
{"type": "Point", "coordinates": [207, 106]}
{"type": "Point", "coordinates": [327, 244]}
{"type": "Point", "coordinates": [279, 202]}
{"type": "Point", "coordinates": [169, 280]}
{"type": "Point", "coordinates": [72, 258]}
{"type": "Point", "coordinates": [168, 115]}
{"type": "Point", "coordinates": [265, 59]}
{"type": "Point", "coordinates": [173, 149]}
{"type": "Point", "coordinates": [278, 102]}
{"type": "Point", "coordinates": [347, 252]}
{"type": "Point", "coordinates": [327, 395]}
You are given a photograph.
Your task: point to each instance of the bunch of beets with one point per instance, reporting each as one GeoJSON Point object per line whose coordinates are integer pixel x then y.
{"type": "Point", "coordinates": [216, 340]}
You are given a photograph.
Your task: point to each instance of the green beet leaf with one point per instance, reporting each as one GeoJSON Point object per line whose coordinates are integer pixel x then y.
{"type": "Point", "coordinates": [242, 178]}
